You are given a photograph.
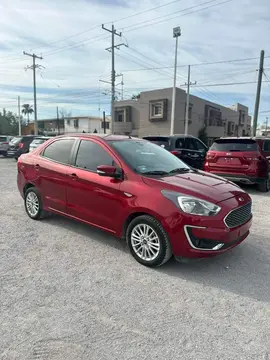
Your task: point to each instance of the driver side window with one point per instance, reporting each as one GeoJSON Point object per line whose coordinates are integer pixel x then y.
{"type": "Point", "coordinates": [200, 146]}
{"type": "Point", "coordinates": [90, 155]}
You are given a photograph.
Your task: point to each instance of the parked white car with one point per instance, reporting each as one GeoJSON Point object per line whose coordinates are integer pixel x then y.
{"type": "Point", "coordinates": [38, 141]}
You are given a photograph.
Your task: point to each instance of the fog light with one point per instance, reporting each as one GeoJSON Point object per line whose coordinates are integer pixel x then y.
{"type": "Point", "coordinates": [218, 246]}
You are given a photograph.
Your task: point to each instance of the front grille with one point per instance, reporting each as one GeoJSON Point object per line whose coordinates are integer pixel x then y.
{"type": "Point", "coordinates": [238, 216]}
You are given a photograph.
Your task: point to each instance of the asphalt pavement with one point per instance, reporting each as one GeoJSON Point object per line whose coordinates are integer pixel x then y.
{"type": "Point", "coordinates": [71, 292]}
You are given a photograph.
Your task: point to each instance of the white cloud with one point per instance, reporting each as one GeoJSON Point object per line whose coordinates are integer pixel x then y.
{"type": "Point", "coordinates": [237, 29]}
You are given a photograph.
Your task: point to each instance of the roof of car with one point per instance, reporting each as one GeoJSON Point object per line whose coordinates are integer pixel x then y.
{"type": "Point", "coordinates": [244, 138]}
{"type": "Point", "coordinates": [169, 136]}
{"type": "Point", "coordinates": [105, 137]}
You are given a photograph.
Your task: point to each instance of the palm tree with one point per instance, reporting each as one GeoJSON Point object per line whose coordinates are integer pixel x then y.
{"type": "Point", "coordinates": [27, 110]}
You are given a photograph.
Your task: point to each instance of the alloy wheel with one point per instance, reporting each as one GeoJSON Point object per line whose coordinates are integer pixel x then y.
{"type": "Point", "coordinates": [32, 204]}
{"type": "Point", "coordinates": [145, 242]}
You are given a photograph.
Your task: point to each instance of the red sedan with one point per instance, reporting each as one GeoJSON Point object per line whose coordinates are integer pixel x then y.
{"type": "Point", "coordinates": [138, 191]}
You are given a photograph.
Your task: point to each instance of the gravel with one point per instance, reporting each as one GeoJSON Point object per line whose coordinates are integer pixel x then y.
{"type": "Point", "coordinates": [71, 292]}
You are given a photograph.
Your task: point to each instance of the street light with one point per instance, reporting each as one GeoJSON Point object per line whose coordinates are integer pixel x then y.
{"type": "Point", "coordinates": [176, 34]}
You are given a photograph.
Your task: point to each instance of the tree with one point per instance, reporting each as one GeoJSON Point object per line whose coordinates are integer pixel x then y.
{"type": "Point", "coordinates": [27, 110]}
{"type": "Point", "coordinates": [202, 135]}
{"type": "Point", "coordinates": [63, 114]}
{"type": "Point", "coordinates": [136, 97]}
{"type": "Point", "coordinates": [8, 123]}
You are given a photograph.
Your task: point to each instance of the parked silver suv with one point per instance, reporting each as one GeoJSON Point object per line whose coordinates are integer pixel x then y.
{"type": "Point", "coordinates": [4, 141]}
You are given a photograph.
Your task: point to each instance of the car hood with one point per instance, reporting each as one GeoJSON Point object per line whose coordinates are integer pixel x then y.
{"type": "Point", "coordinates": [198, 184]}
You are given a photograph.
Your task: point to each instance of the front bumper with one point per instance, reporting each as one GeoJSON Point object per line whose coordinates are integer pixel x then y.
{"type": "Point", "coordinates": [199, 242]}
{"type": "Point", "coordinates": [199, 236]}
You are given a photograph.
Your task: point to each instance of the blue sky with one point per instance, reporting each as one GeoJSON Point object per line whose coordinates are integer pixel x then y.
{"type": "Point", "coordinates": [69, 36]}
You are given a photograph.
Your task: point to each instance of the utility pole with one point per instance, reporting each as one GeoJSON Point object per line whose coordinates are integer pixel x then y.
{"type": "Point", "coordinates": [113, 32]}
{"type": "Point", "coordinates": [187, 101]}
{"type": "Point", "coordinates": [176, 34]}
{"type": "Point", "coordinates": [19, 119]}
{"type": "Point", "coordinates": [33, 67]}
{"type": "Point", "coordinates": [266, 125]}
{"type": "Point", "coordinates": [57, 114]}
{"type": "Point", "coordinates": [258, 94]}
{"type": "Point", "coordinates": [104, 122]}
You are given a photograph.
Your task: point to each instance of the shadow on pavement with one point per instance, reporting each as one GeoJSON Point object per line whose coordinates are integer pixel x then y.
{"type": "Point", "coordinates": [244, 270]}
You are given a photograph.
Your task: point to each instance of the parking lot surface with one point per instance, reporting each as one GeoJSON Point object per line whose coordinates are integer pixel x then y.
{"type": "Point", "coordinates": [71, 292]}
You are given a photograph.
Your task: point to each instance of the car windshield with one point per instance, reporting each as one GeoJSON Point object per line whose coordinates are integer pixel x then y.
{"type": "Point", "coordinates": [16, 140]}
{"type": "Point", "coordinates": [234, 145]}
{"type": "Point", "coordinates": [3, 139]}
{"type": "Point", "coordinates": [145, 157]}
{"type": "Point", "coordinates": [161, 141]}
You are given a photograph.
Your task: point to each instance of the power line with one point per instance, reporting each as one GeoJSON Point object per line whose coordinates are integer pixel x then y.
{"type": "Point", "coordinates": [198, 64]}
{"type": "Point", "coordinates": [175, 17]}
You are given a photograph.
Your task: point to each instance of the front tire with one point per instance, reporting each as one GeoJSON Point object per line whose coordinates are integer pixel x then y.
{"type": "Point", "coordinates": [148, 242]}
{"type": "Point", "coordinates": [264, 186]}
{"type": "Point", "coordinates": [33, 204]}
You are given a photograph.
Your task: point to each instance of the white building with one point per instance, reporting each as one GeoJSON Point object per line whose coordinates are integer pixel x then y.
{"type": "Point", "coordinates": [87, 124]}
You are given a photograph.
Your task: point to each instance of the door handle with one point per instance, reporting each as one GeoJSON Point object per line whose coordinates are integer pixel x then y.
{"type": "Point", "coordinates": [73, 176]}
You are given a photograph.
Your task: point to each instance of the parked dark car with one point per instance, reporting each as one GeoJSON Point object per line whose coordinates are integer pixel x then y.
{"type": "Point", "coordinates": [138, 191]}
{"type": "Point", "coordinates": [19, 145]}
{"type": "Point", "coordinates": [188, 148]}
{"type": "Point", "coordinates": [4, 144]}
{"type": "Point", "coordinates": [243, 160]}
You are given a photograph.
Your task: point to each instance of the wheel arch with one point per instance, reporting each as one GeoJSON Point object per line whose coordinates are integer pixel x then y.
{"type": "Point", "coordinates": [134, 215]}
{"type": "Point", "coordinates": [26, 187]}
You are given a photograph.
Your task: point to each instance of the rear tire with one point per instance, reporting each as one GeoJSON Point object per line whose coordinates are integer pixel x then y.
{"type": "Point", "coordinates": [33, 204]}
{"type": "Point", "coordinates": [264, 186]}
{"type": "Point", "coordinates": [148, 242]}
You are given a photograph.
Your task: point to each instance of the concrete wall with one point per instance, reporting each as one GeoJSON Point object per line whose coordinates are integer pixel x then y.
{"type": "Point", "coordinates": [143, 126]}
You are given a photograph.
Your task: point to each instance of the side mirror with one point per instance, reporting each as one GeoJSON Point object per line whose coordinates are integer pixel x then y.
{"type": "Point", "coordinates": [109, 171]}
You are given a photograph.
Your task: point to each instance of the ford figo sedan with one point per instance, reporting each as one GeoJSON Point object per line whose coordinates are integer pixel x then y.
{"type": "Point", "coordinates": [138, 191]}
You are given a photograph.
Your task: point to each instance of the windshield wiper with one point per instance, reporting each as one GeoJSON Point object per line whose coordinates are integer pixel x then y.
{"type": "Point", "coordinates": [155, 172]}
{"type": "Point", "coordinates": [179, 170]}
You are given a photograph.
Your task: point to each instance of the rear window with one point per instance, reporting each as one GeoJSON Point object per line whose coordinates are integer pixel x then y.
{"type": "Point", "coordinates": [16, 140]}
{"type": "Point", "coordinates": [3, 138]}
{"type": "Point", "coordinates": [161, 141]}
{"type": "Point", "coordinates": [230, 145]}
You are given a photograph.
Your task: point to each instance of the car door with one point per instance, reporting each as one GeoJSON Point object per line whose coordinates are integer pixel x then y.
{"type": "Point", "coordinates": [189, 153]}
{"type": "Point", "coordinates": [200, 152]}
{"type": "Point", "coordinates": [90, 197]}
{"type": "Point", "coordinates": [52, 166]}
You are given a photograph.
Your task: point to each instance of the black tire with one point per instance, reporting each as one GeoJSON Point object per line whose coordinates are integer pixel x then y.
{"type": "Point", "coordinates": [165, 250]}
{"type": "Point", "coordinates": [4, 154]}
{"type": "Point", "coordinates": [264, 186]}
{"type": "Point", "coordinates": [39, 213]}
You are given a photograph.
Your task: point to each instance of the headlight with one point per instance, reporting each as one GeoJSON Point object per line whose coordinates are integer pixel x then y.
{"type": "Point", "coordinates": [192, 205]}
{"type": "Point", "coordinates": [196, 206]}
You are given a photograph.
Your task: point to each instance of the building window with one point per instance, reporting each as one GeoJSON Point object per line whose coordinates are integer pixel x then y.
{"type": "Point", "coordinates": [76, 123]}
{"type": "Point", "coordinates": [120, 117]}
{"type": "Point", "coordinates": [157, 109]}
{"type": "Point", "coordinates": [68, 121]}
{"type": "Point", "coordinates": [107, 125]}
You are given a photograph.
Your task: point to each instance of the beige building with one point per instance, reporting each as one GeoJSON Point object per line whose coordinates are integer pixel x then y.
{"type": "Point", "coordinates": [150, 114]}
